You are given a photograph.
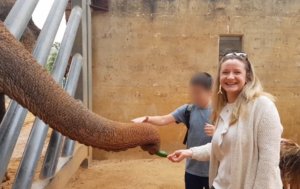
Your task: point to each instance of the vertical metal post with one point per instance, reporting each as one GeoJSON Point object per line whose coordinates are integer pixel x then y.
{"type": "Point", "coordinates": [83, 46]}
{"type": "Point", "coordinates": [87, 39]}
{"type": "Point", "coordinates": [89, 73]}
{"type": "Point", "coordinates": [55, 144]}
{"type": "Point", "coordinates": [14, 118]}
{"type": "Point", "coordinates": [38, 134]}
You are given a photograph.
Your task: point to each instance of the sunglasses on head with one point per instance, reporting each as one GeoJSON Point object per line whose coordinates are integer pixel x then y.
{"type": "Point", "coordinates": [240, 54]}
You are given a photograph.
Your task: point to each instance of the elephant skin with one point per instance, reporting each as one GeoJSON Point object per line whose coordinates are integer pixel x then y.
{"type": "Point", "coordinates": [26, 82]}
{"type": "Point", "coordinates": [28, 39]}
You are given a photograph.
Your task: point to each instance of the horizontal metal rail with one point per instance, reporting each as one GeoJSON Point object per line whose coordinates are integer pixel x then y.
{"type": "Point", "coordinates": [55, 145]}
{"type": "Point", "coordinates": [38, 134]}
{"type": "Point", "coordinates": [14, 118]}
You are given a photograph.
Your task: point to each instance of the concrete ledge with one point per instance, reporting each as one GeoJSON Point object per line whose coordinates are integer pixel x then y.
{"type": "Point", "coordinates": [67, 167]}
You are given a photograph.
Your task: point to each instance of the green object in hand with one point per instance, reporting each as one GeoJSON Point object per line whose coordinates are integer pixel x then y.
{"type": "Point", "coordinates": [161, 153]}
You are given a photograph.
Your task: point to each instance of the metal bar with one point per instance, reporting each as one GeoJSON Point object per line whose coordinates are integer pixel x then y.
{"type": "Point", "coordinates": [68, 147]}
{"type": "Point", "coordinates": [69, 144]}
{"type": "Point", "coordinates": [38, 134]}
{"type": "Point", "coordinates": [89, 56]}
{"type": "Point", "coordinates": [19, 16]}
{"type": "Point", "coordinates": [49, 31]}
{"type": "Point", "coordinates": [56, 140]}
{"type": "Point", "coordinates": [85, 56]}
{"type": "Point", "coordinates": [7, 117]}
{"type": "Point", "coordinates": [74, 73]}
{"type": "Point", "coordinates": [14, 118]}
{"type": "Point", "coordinates": [52, 155]}
{"type": "Point", "coordinates": [68, 40]}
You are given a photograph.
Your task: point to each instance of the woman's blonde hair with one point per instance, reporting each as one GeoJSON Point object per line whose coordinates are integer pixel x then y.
{"type": "Point", "coordinates": [250, 91]}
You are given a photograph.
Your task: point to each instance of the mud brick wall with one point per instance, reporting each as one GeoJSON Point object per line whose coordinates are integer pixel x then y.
{"type": "Point", "coordinates": [145, 51]}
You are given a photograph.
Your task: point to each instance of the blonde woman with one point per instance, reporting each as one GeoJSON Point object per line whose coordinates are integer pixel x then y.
{"type": "Point", "coordinates": [244, 152]}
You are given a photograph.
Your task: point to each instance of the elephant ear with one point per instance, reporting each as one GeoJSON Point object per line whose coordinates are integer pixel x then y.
{"type": "Point", "coordinates": [30, 36]}
{"type": "Point", "coordinates": [5, 7]}
{"type": "Point", "coordinates": [28, 39]}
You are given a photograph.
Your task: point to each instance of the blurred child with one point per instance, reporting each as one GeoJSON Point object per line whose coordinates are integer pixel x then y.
{"type": "Point", "coordinates": [196, 117]}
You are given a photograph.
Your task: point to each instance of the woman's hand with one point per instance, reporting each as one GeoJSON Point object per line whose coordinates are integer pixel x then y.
{"type": "Point", "coordinates": [209, 129]}
{"type": "Point", "coordinates": [143, 119]}
{"type": "Point", "coordinates": [180, 155]}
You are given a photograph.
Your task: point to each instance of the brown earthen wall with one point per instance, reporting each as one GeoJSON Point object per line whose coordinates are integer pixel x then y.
{"type": "Point", "coordinates": [144, 53]}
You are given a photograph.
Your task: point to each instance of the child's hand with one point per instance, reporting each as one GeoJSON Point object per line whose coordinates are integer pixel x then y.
{"type": "Point", "coordinates": [143, 119]}
{"type": "Point", "coordinates": [209, 129]}
{"type": "Point", "coordinates": [180, 155]}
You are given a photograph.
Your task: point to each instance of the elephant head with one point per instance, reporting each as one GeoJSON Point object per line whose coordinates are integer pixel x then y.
{"type": "Point", "coordinates": [26, 82]}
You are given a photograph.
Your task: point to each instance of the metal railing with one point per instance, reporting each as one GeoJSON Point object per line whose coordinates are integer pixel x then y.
{"type": "Point", "coordinates": [54, 150]}
{"type": "Point", "coordinates": [11, 125]}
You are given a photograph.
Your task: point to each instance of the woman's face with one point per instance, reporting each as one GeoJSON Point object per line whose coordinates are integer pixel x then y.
{"type": "Point", "coordinates": [233, 76]}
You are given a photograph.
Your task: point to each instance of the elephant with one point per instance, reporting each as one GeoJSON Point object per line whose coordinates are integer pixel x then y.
{"type": "Point", "coordinates": [28, 39]}
{"type": "Point", "coordinates": [26, 82]}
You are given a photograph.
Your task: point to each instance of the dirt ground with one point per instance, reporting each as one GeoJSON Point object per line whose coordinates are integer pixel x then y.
{"type": "Point", "coordinates": [129, 174]}
{"type": "Point", "coordinates": [156, 173]}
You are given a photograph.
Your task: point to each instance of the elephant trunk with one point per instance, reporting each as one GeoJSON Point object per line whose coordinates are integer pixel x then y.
{"type": "Point", "coordinates": [23, 80]}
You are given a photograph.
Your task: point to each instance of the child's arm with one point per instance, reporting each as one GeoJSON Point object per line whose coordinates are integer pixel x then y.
{"type": "Point", "coordinates": [176, 116]}
{"type": "Point", "coordinates": [156, 120]}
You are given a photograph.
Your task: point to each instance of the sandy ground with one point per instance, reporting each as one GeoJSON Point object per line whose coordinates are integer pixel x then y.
{"type": "Point", "coordinates": [107, 174]}
{"type": "Point", "coordinates": [19, 149]}
{"type": "Point", "coordinates": [129, 174]}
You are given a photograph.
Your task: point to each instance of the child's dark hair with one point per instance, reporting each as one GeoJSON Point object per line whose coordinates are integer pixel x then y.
{"type": "Point", "coordinates": [202, 79]}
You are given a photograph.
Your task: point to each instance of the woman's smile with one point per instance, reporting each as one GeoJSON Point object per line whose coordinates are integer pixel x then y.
{"type": "Point", "coordinates": [232, 77]}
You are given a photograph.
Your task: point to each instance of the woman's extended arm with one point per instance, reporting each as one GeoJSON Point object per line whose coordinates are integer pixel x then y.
{"type": "Point", "coordinates": [156, 120]}
{"type": "Point", "coordinates": [268, 140]}
{"type": "Point", "coordinates": [200, 153]}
